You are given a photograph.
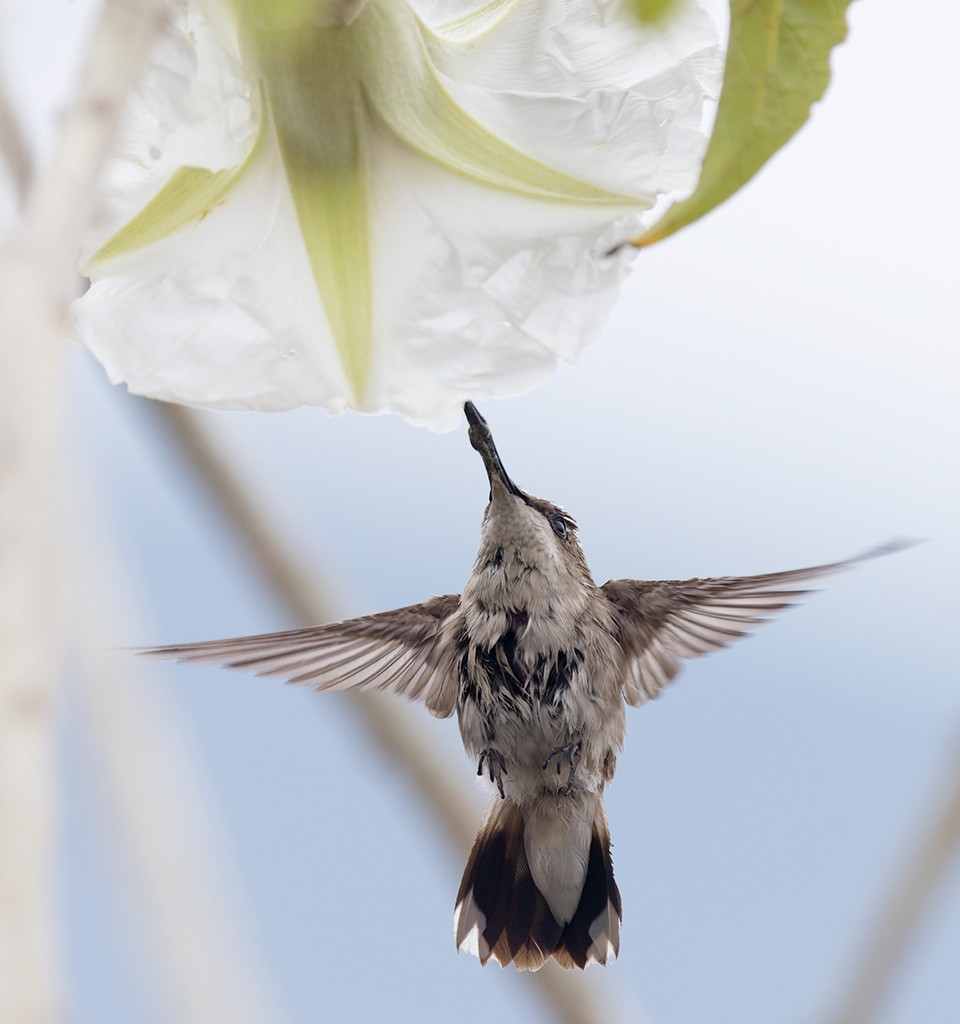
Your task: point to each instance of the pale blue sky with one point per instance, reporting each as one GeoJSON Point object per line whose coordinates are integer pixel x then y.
{"type": "Point", "coordinates": [778, 387]}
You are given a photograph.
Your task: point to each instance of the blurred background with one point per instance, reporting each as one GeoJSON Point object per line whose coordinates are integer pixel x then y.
{"type": "Point", "coordinates": [778, 387]}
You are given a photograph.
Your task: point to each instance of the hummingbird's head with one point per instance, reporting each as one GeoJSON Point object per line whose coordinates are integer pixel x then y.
{"type": "Point", "coordinates": [523, 539]}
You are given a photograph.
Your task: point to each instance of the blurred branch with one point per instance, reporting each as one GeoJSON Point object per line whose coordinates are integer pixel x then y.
{"type": "Point", "coordinates": [889, 942]}
{"type": "Point", "coordinates": [37, 266]}
{"type": "Point", "coordinates": [572, 997]}
{"type": "Point", "coordinates": [13, 146]}
{"type": "Point", "coordinates": [202, 945]}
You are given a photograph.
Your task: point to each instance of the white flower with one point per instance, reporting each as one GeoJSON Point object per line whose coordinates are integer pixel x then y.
{"type": "Point", "coordinates": [393, 213]}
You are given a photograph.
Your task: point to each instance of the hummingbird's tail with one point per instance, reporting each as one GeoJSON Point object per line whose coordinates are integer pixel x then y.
{"type": "Point", "coordinates": [539, 883]}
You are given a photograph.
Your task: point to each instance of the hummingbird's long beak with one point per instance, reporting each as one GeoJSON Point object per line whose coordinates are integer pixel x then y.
{"type": "Point", "coordinates": [482, 440]}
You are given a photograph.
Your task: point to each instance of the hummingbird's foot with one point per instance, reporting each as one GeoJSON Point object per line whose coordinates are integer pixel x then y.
{"type": "Point", "coordinates": [496, 767]}
{"type": "Point", "coordinates": [569, 755]}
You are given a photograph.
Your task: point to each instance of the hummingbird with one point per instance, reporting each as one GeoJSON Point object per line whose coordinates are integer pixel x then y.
{"type": "Point", "coordinates": [539, 664]}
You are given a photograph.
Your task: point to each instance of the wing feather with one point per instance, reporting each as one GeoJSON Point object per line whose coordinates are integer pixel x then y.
{"type": "Point", "coordinates": [407, 651]}
{"type": "Point", "coordinates": [660, 623]}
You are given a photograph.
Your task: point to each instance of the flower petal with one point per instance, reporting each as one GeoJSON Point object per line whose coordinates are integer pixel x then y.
{"type": "Point", "coordinates": [190, 195]}
{"type": "Point", "coordinates": [193, 108]}
{"type": "Point", "coordinates": [583, 87]}
{"type": "Point", "coordinates": [222, 314]}
{"type": "Point", "coordinates": [479, 293]}
{"type": "Point", "coordinates": [411, 98]}
{"type": "Point", "coordinates": [315, 98]}
{"type": "Point", "coordinates": [339, 261]}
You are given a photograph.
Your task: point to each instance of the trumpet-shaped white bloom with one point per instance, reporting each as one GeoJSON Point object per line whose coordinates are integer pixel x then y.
{"type": "Point", "coordinates": [355, 204]}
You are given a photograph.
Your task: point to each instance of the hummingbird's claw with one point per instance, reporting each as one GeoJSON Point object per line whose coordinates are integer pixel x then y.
{"type": "Point", "coordinates": [569, 753]}
{"type": "Point", "coordinates": [496, 766]}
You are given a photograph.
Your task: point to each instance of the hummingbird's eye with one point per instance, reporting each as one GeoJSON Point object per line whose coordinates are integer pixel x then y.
{"type": "Point", "coordinates": [559, 525]}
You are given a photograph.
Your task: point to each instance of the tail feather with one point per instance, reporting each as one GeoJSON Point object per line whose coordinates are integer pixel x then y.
{"type": "Point", "coordinates": [593, 933]}
{"type": "Point", "coordinates": [499, 911]}
{"type": "Point", "coordinates": [531, 932]}
{"type": "Point", "coordinates": [496, 879]}
{"type": "Point", "coordinates": [502, 914]}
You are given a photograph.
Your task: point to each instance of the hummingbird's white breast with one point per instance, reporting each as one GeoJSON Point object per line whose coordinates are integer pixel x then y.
{"type": "Point", "coordinates": [538, 661]}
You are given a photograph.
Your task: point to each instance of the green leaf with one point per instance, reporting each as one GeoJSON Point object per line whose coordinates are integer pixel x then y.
{"type": "Point", "coordinates": [778, 66]}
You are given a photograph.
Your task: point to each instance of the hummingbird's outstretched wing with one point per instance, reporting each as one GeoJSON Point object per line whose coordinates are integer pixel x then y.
{"type": "Point", "coordinates": [662, 622]}
{"type": "Point", "coordinates": [403, 651]}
